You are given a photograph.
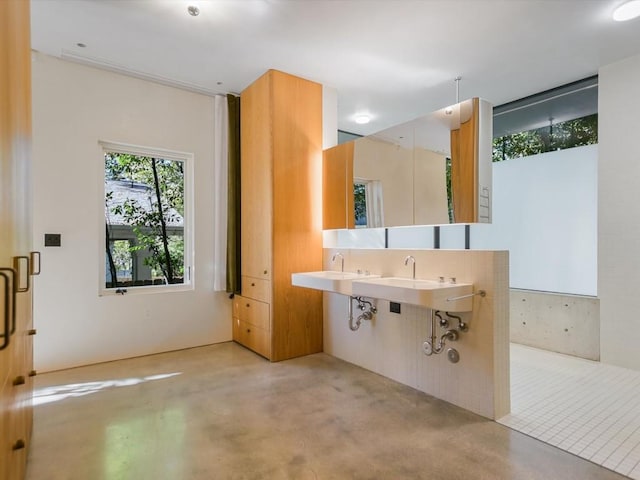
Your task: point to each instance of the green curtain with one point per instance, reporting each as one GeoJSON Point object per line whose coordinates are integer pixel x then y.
{"type": "Point", "coordinates": [233, 213]}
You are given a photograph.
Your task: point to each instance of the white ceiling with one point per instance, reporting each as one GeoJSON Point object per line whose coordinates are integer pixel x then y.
{"type": "Point", "coordinates": [393, 59]}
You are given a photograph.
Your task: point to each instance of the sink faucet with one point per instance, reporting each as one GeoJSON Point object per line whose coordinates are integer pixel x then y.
{"type": "Point", "coordinates": [413, 261]}
{"type": "Point", "coordinates": [333, 259]}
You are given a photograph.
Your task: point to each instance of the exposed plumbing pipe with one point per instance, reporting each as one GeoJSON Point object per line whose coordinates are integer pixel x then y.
{"type": "Point", "coordinates": [351, 326]}
{"type": "Point", "coordinates": [462, 326]}
{"type": "Point", "coordinates": [365, 315]}
{"type": "Point", "coordinates": [448, 335]}
{"type": "Point", "coordinates": [434, 344]}
{"type": "Point", "coordinates": [427, 347]}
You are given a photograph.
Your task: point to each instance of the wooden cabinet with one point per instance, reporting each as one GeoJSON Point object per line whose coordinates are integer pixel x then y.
{"type": "Point", "coordinates": [16, 354]}
{"type": "Point", "coordinates": [252, 325]}
{"type": "Point", "coordinates": [281, 172]}
{"type": "Point", "coordinates": [337, 187]}
{"type": "Point", "coordinates": [464, 167]}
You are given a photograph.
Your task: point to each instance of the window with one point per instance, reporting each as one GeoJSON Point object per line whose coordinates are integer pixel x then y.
{"type": "Point", "coordinates": [360, 201]}
{"type": "Point", "coordinates": [147, 240]}
{"type": "Point", "coordinates": [367, 196]}
{"type": "Point", "coordinates": [557, 119]}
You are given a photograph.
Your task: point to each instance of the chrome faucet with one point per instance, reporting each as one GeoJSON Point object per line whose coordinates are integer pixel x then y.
{"type": "Point", "coordinates": [333, 259]}
{"type": "Point", "coordinates": [413, 261]}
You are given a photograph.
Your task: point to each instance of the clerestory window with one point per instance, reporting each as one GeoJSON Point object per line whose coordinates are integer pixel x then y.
{"type": "Point", "coordinates": [557, 119]}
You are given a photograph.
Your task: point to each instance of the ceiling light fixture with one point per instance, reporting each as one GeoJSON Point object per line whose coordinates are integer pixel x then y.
{"type": "Point", "coordinates": [627, 11]}
{"type": "Point", "coordinates": [193, 10]}
{"type": "Point", "coordinates": [362, 119]}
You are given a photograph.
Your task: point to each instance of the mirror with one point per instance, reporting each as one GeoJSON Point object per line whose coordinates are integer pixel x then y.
{"type": "Point", "coordinates": [433, 170]}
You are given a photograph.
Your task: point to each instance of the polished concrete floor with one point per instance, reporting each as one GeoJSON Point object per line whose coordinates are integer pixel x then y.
{"type": "Point", "coordinates": [221, 412]}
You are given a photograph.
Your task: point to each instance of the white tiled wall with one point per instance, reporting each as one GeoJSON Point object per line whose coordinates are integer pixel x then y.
{"type": "Point", "coordinates": [391, 344]}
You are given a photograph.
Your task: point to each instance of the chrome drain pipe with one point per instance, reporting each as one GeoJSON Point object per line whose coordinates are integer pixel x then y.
{"type": "Point", "coordinates": [367, 314]}
{"type": "Point", "coordinates": [435, 345]}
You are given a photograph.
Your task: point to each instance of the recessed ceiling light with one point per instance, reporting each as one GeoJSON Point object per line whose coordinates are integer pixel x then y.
{"type": "Point", "coordinates": [193, 10]}
{"type": "Point", "coordinates": [362, 119]}
{"type": "Point", "coordinates": [627, 11]}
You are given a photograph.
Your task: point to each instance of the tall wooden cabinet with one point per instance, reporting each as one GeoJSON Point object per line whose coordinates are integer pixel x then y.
{"type": "Point", "coordinates": [16, 265]}
{"type": "Point", "coordinates": [281, 171]}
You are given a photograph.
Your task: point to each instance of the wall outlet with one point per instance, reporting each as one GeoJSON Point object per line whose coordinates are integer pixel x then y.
{"type": "Point", "coordinates": [394, 307]}
{"type": "Point", "coordinates": [52, 239]}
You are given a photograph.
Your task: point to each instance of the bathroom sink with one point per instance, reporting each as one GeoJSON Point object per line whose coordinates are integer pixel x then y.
{"type": "Point", "coordinates": [426, 293]}
{"type": "Point", "coordinates": [328, 280]}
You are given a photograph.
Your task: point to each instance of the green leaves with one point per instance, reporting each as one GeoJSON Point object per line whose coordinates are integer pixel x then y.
{"type": "Point", "coordinates": [569, 134]}
{"type": "Point", "coordinates": [153, 207]}
{"type": "Point", "coordinates": [360, 203]}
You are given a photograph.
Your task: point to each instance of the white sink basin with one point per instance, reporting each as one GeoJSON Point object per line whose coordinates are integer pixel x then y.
{"type": "Point", "coordinates": [328, 280]}
{"type": "Point", "coordinates": [426, 293]}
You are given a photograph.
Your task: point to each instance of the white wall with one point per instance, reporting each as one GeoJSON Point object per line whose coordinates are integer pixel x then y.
{"type": "Point", "coordinates": [545, 214]}
{"type": "Point", "coordinates": [619, 212]}
{"type": "Point", "coordinates": [74, 107]}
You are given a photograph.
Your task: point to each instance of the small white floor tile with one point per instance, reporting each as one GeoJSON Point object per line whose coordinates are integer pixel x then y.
{"type": "Point", "coordinates": [584, 407]}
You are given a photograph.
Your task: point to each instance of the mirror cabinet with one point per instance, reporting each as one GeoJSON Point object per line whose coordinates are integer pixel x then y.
{"type": "Point", "coordinates": [430, 171]}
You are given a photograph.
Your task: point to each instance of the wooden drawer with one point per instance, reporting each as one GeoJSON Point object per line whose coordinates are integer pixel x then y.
{"type": "Point", "coordinates": [252, 337]}
{"type": "Point", "coordinates": [251, 311]}
{"type": "Point", "coordinates": [256, 288]}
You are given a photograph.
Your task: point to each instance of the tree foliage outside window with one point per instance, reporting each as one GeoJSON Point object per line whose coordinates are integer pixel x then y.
{"type": "Point", "coordinates": [448, 168]}
{"type": "Point", "coordinates": [569, 134]}
{"type": "Point", "coordinates": [360, 204]}
{"type": "Point", "coordinates": [144, 203]}
{"type": "Point", "coordinates": [122, 259]}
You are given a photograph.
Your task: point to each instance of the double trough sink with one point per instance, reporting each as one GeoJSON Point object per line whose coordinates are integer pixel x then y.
{"type": "Point", "coordinates": [426, 293]}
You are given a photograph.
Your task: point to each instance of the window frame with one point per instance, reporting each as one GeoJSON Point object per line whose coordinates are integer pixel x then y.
{"type": "Point", "coordinates": [188, 226]}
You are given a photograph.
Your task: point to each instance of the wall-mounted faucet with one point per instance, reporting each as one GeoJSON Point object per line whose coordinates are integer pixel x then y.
{"type": "Point", "coordinates": [413, 260]}
{"type": "Point", "coordinates": [333, 259]}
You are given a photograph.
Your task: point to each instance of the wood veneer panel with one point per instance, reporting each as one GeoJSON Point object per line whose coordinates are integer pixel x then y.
{"type": "Point", "coordinates": [281, 142]}
{"type": "Point", "coordinates": [297, 226]}
{"type": "Point", "coordinates": [256, 174]}
{"type": "Point", "coordinates": [464, 175]}
{"type": "Point", "coordinates": [15, 227]}
{"type": "Point", "coordinates": [351, 203]}
{"type": "Point", "coordinates": [336, 186]}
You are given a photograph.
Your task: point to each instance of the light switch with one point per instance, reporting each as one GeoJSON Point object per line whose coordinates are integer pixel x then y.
{"type": "Point", "coordinates": [52, 239]}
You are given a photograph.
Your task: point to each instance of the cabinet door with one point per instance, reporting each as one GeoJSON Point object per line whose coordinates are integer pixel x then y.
{"type": "Point", "coordinates": [15, 235]}
{"type": "Point", "coordinates": [337, 187]}
{"type": "Point", "coordinates": [256, 179]}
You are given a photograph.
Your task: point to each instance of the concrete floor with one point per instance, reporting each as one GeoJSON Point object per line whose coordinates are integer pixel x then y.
{"type": "Point", "coordinates": [221, 412]}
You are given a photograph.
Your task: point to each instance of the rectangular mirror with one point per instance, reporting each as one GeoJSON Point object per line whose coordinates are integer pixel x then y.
{"type": "Point", "coordinates": [433, 170]}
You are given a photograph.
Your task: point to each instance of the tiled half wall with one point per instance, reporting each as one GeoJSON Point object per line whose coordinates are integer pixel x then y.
{"type": "Point", "coordinates": [391, 344]}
